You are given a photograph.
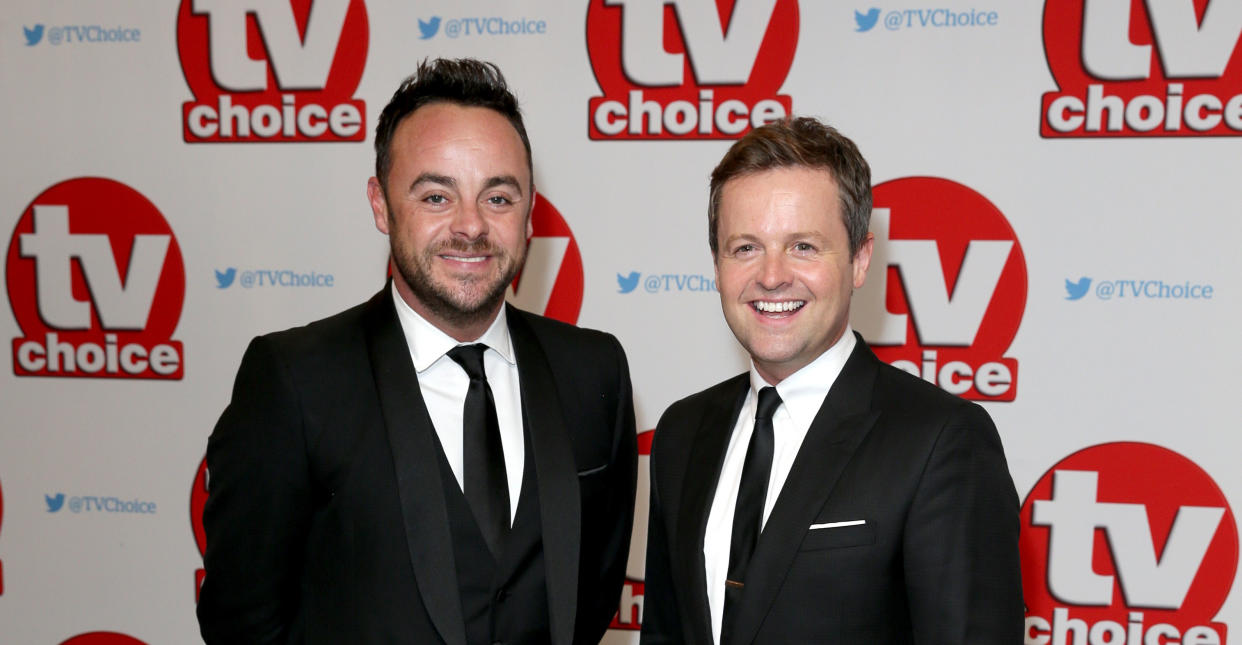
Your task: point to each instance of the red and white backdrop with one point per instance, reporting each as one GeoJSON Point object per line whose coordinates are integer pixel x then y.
{"type": "Point", "coordinates": [1056, 213]}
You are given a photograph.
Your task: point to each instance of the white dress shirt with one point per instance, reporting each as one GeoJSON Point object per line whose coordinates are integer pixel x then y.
{"type": "Point", "coordinates": [443, 384]}
{"type": "Point", "coordinates": [802, 394]}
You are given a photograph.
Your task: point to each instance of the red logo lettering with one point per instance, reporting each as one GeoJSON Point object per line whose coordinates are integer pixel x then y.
{"type": "Point", "coordinates": [1143, 69]}
{"type": "Point", "coordinates": [947, 287]}
{"type": "Point", "coordinates": [273, 70]}
{"type": "Point", "coordinates": [1112, 553]}
{"type": "Point", "coordinates": [96, 282]}
{"type": "Point", "coordinates": [689, 69]}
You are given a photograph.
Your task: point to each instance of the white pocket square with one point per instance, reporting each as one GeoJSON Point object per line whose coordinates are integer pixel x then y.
{"type": "Point", "coordinates": [836, 525]}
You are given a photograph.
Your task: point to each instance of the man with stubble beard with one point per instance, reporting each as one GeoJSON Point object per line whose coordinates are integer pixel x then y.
{"type": "Point", "coordinates": [433, 465]}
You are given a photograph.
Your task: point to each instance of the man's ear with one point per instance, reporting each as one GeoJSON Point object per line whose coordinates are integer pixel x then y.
{"type": "Point", "coordinates": [530, 222]}
{"type": "Point", "coordinates": [379, 205]}
{"type": "Point", "coordinates": [862, 260]}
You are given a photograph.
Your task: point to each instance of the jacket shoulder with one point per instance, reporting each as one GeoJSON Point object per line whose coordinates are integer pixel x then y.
{"type": "Point", "coordinates": [899, 391]}
{"type": "Point", "coordinates": [683, 415]}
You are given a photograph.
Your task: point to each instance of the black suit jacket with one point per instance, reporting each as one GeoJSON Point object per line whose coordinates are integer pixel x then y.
{"type": "Point", "coordinates": [936, 561]}
{"type": "Point", "coordinates": [326, 520]}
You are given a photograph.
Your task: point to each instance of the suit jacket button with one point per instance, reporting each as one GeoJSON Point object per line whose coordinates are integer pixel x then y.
{"type": "Point", "coordinates": [501, 595]}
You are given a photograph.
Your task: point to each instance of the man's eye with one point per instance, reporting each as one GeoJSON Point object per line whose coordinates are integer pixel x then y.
{"type": "Point", "coordinates": [435, 199]}
{"type": "Point", "coordinates": [803, 247]}
{"type": "Point", "coordinates": [499, 200]}
{"type": "Point", "coordinates": [744, 249]}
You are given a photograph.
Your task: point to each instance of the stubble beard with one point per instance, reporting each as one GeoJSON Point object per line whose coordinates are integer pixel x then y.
{"type": "Point", "coordinates": [463, 301]}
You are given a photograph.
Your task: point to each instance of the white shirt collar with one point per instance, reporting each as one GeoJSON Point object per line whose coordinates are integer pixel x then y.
{"type": "Point", "coordinates": [803, 391]}
{"type": "Point", "coordinates": [428, 344]}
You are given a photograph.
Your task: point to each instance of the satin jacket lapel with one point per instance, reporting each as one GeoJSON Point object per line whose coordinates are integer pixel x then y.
{"type": "Point", "coordinates": [706, 457]}
{"type": "Point", "coordinates": [555, 468]}
{"type": "Point", "coordinates": [411, 437]}
{"type": "Point", "coordinates": [840, 426]}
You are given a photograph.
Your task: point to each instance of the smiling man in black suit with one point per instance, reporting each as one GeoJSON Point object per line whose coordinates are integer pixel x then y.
{"type": "Point", "coordinates": [824, 496]}
{"type": "Point", "coordinates": [432, 466]}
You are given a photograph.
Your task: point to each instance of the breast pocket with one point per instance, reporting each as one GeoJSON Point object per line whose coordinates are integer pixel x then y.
{"type": "Point", "coordinates": [838, 537]}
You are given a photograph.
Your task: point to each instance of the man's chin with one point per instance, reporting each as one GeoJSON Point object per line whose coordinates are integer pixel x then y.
{"type": "Point", "coordinates": [462, 308]}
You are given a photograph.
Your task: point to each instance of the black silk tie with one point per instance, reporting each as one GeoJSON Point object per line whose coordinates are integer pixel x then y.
{"type": "Point", "coordinates": [486, 486]}
{"type": "Point", "coordinates": [748, 514]}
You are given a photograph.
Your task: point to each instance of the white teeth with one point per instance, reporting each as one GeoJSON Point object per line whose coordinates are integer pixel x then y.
{"type": "Point", "coordinates": [465, 259]}
{"type": "Point", "coordinates": [777, 307]}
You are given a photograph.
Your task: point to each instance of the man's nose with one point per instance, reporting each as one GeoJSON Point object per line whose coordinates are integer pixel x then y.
{"type": "Point", "coordinates": [468, 221]}
{"type": "Point", "coordinates": [774, 272]}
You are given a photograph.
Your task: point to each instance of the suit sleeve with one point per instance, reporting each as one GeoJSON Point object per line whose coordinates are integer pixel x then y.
{"type": "Point", "coordinates": [621, 485]}
{"type": "Point", "coordinates": [661, 618]}
{"type": "Point", "coordinates": [961, 540]}
{"type": "Point", "coordinates": [257, 509]}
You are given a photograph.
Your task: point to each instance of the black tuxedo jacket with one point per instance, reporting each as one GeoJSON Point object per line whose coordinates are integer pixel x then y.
{"type": "Point", "coordinates": [326, 520]}
{"type": "Point", "coordinates": [935, 560]}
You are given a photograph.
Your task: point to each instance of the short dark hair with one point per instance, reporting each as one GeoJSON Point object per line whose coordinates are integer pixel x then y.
{"type": "Point", "coordinates": [461, 81]}
{"type": "Point", "coordinates": [799, 142]}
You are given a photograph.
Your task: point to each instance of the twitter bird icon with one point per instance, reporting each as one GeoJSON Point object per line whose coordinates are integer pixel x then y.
{"type": "Point", "coordinates": [428, 28]}
{"type": "Point", "coordinates": [33, 35]}
{"type": "Point", "coordinates": [54, 502]}
{"type": "Point", "coordinates": [1077, 290]}
{"type": "Point", "coordinates": [225, 278]}
{"type": "Point", "coordinates": [627, 282]}
{"type": "Point", "coordinates": [866, 20]}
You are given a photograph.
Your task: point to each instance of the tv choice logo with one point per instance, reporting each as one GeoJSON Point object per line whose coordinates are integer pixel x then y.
{"type": "Point", "coordinates": [88, 34]}
{"type": "Point", "coordinates": [1126, 543]}
{"type": "Point", "coordinates": [103, 638]}
{"type": "Point", "coordinates": [666, 282]}
{"type": "Point", "coordinates": [198, 499]}
{"type": "Point", "coordinates": [273, 70]}
{"type": "Point", "coordinates": [688, 69]}
{"type": "Point", "coordinates": [1142, 69]}
{"type": "Point", "coordinates": [98, 504]}
{"type": "Point", "coordinates": [1138, 289]}
{"type": "Point", "coordinates": [629, 616]}
{"type": "Point", "coordinates": [266, 278]}
{"type": "Point", "coordinates": [481, 26]}
{"type": "Point", "coordinates": [946, 289]}
{"type": "Point", "coordinates": [896, 20]}
{"type": "Point", "coordinates": [96, 282]}
{"type": "Point", "coordinates": [551, 282]}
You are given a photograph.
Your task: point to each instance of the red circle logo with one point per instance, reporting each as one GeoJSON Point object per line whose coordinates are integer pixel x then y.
{"type": "Point", "coordinates": [946, 288]}
{"type": "Point", "coordinates": [103, 638]}
{"type": "Point", "coordinates": [273, 70]}
{"type": "Point", "coordinates": [688, 69]}
{"type": "Point", "coordinates": [1135, 69]}
{"type": "Point", "coordinates": [96, 282]}
{"type": "Point", "coordinates": [1126, 538]}
{"type": "Point", "coordinates": [551, 282]}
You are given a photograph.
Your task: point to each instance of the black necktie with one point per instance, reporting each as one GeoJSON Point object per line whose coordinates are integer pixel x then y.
{"type": "Point", "coordinates": [748, 514]}
{"type": "Point", "coordinates": [486, 487]}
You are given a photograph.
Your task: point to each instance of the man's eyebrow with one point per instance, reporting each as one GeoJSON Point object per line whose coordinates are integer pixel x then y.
{"type": "Point", "coordinates": [432, 178]}
{"type": "Point", "coordinates": [504, 180]}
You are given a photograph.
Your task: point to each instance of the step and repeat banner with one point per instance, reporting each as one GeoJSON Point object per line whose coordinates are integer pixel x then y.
{"type": "Point", "coordinates": [1056, 214]}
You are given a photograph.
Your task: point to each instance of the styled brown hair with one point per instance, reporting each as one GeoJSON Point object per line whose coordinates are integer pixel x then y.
{"type": "Point", "coordinates": [799, 142]}
{"type": "Point", "coordinates": [463, 81]}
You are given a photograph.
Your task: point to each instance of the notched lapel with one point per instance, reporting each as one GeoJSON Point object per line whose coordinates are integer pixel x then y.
{"type": "Point", "coordinates": [556, 471]}
{"type": "Point", "coordinates": [411, 436]}
{"type": "Point", "coordinates": [840, 426]}
{"type": "Point", "coordinates": [711, 439]}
